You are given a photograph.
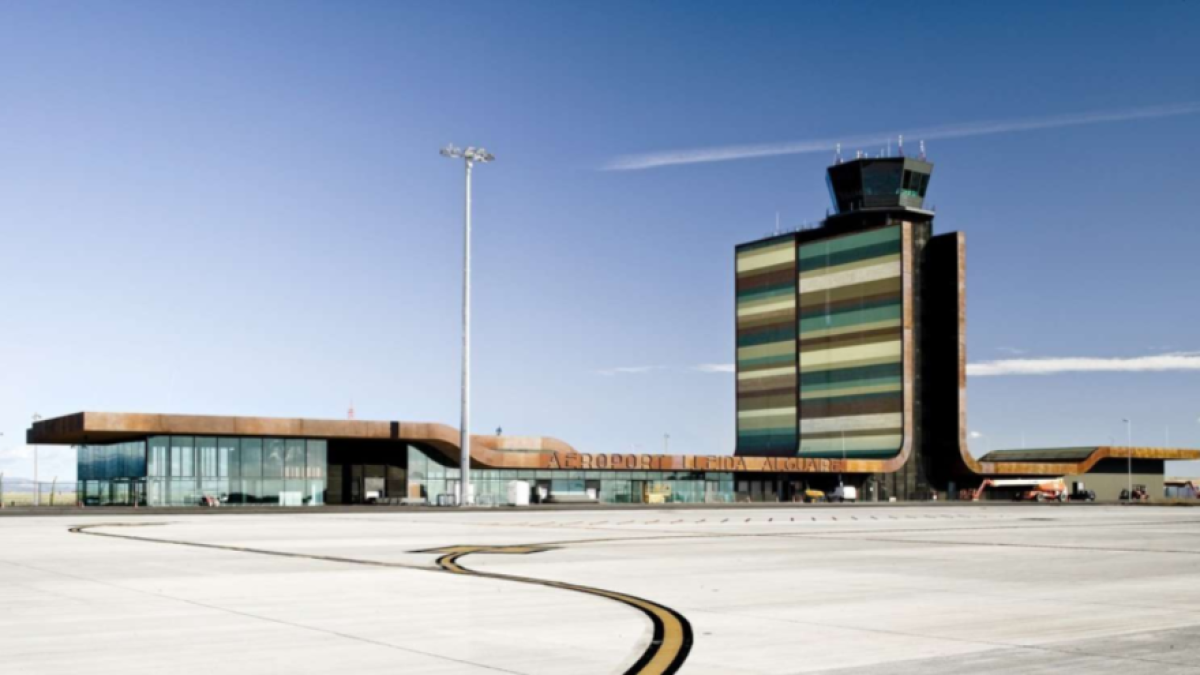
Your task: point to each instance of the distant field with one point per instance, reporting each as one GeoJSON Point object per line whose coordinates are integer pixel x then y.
{"type": "Point", "coordinates": [26, 498]}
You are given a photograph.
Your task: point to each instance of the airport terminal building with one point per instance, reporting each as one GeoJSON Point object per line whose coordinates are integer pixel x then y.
{"type": "Point", "coordinates": [850, 369]}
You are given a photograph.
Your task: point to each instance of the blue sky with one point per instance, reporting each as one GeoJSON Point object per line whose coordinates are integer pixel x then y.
{"type": "Point", "coordinates": [238, 208]}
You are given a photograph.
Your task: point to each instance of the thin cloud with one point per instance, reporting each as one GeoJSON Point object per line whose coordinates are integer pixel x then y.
{"type": "Point", "coordinates": [642, 370]}
{"type": "Point", "coordinates": [1180, 362]}
{"type": "Point", "coordinates": [628, 370]}
{"type": "Point", "coordinates": [652, 160]}
{"type": "Point", "coordinates": [714, 368]}
{"type": "Point", "coordinates": [20, 452]}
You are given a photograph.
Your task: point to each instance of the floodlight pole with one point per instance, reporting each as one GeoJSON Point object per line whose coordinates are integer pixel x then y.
{"type": "Point", "coordinates": [469, 157]}
{"type": "Point", "coordinates": [37, 489]}
{"type": "Point", "coordinates": [464, 471]}
{"type": "Point", "coordinates": [1129, 458]}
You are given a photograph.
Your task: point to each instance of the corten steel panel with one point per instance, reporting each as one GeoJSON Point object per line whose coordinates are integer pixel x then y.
{"type": "Point", "coordinates": [504, 452]}
{"type": "Point", "coordinates": [500, 452]}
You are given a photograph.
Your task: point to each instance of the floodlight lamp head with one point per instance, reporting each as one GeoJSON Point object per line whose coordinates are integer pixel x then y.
{"type": "Point", "coordinates": [471, 154]}
{"type": "Point", "coordinates": [479, 155]}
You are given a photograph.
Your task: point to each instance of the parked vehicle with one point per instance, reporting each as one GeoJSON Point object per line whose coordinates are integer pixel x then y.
{"type": "Point", "coordinates": [1139, 494]}
{"type": "Point", "coordinates": [844, 493]}
{"type": "Point", "coordinates": [811, 496]}
{"type": "Point", "coordinates": [1080, 493]}
{"type": "Point", "coordinates": [1029, 489]}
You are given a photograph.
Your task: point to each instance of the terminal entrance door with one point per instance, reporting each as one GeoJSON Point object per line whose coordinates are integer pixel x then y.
{"type": "Point", "coordinates": [637, 491]}
{"type": "Point", "coordinates": [127, 493]}
{"type": "Point", "coordinates": [792, 489]}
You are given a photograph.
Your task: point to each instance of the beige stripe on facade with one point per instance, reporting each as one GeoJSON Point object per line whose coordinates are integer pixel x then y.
{"type": "Point", "coordinates": [822, 425]}
{"type": "Point", "coordinates": [861, 275]}
{"type": "Point", "coordinates": [852, 443]}
{"type": "Point", "coordinates": [767, 372]}
{"type": "Point", "coordinates": [769, 269]}
{"type": "Point", "coordinates": [767, 412]}
{"type": "Point", "coordinates": [873, 288]}
{"type": "Point", "coordinates": [848, 364]}
{"type": "Point", "coordinates": [827, 358]}
{"type": "Point", "coordinates": [760, 259]}
{"type": "Point", "coordinates": [769, 403]}
{"type": "Point", "coordinates": [777, 306]}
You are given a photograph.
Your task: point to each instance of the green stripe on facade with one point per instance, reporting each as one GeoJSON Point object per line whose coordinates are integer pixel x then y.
{"type": "Point", "coordinates": [850, 242]}
{"type": "Point", "coordinates": [782, 359]}
{"type": "Point", "coordinates": [877, 303]}
{"type": "Point", "coordinates": [844, 257]}
{"type": "Point", "coordinates": [767, 336]}
{"type": "Point", "coordinates": [783, 289]}
{"type": "Point", "coordinates": [851, 318]}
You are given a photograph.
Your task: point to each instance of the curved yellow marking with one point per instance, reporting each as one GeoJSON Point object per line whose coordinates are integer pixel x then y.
{"type": "Point", "coordinates": [672, 636]}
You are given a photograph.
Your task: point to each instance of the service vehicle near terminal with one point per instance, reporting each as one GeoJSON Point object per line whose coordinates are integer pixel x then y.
{"type": "Point", "coordinates": [844, 493]}
{"type": "Point", "coordinates": [1027, 489]}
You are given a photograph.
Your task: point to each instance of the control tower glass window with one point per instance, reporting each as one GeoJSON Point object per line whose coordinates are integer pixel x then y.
{"type": "Point", "coordinates": [880, 179]}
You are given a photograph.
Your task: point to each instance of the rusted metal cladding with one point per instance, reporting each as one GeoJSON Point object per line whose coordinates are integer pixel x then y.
{"type": "Point", "coordinates": [944, 362]}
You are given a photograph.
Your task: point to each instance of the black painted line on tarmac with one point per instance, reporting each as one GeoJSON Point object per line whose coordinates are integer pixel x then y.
{"type": "Point", "coordinates": [83, 529]}
{"type": "Point", "coordinates": [685, 642]}
{"type": "Point", "coordinates": [86, 529]}
{"type": "Point", "coordinates": [672, 634]}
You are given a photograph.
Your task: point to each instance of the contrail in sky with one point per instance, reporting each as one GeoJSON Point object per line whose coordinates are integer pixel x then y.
{"type": "Point", "coordinates": [1050, 366]}
{"type": "Point", "coordinates": [1160, 363]}
{"type": "Point", "coordinates": [725, 153]}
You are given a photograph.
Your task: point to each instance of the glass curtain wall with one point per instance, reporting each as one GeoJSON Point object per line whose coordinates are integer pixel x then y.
{"type": "Point", "coordinates": [185, 470]}
{"type": "Point", "coordinates": [113, 474]}
{"type": "Point", "coordinates": [429, 477]}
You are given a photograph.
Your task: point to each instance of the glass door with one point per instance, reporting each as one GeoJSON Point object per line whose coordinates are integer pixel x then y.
{"type": "Point", "coordinates": [118, 493]}
{"type": "Point", "coordinates": [637, 492]}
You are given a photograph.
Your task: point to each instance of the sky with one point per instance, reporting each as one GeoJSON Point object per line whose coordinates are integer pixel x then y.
{"type": "Point", "coordinates": [239, 208]}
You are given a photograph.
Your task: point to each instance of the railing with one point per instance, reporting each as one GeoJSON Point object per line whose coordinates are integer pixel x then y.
{"type": "Point", "coordinates": [19, 492]}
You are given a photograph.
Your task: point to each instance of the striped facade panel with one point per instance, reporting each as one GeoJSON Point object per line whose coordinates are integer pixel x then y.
{"type": "Point", "coordinates": [766, 347]}
{"type": "Point", "coordinates": [851, 337]}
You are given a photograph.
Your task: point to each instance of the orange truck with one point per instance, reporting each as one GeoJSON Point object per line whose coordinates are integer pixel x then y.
{"type": "Point", "coordinates": [1028, 489]}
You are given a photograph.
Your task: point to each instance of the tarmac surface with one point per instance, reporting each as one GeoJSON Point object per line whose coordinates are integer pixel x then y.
{"type": "Point", "coordinates": [801, 589]}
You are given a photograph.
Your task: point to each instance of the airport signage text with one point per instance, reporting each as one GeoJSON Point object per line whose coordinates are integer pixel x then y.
{"type": "Point", "coordinates": [643, 462]}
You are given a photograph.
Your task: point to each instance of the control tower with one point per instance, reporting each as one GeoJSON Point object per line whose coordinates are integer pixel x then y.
{"type": "Point", "coordinates": [833, 327]}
